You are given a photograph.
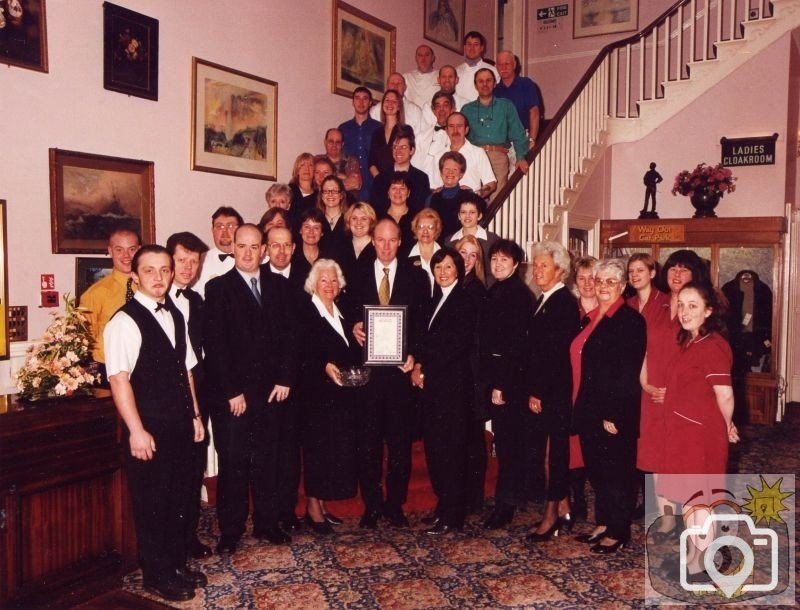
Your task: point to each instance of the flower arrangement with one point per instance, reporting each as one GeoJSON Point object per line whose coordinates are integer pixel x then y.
{"type": "Point", "coordinates": [56, 366]}
{"type": "Point", "coordinates": [704, 180]}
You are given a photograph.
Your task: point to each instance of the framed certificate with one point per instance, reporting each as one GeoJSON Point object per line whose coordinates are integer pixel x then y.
{"type": "Point", "coordinates": [386, 330]}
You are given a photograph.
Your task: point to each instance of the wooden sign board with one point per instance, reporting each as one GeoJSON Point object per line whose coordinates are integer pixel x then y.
{"type": "Point", "coordinates": [656, 233]}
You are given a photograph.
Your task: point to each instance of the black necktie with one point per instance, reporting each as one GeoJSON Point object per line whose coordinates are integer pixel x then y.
{"type": "Point", "coordinates": [223, 256]}
{"type": "Point", "coordinates": [438, 128]}
{"type": "Point", "coordinates": [129, 289]}
{"type": "Point", "coordinates": [160, 306]}
{"type": "Point", "coordinates": [538, 303]}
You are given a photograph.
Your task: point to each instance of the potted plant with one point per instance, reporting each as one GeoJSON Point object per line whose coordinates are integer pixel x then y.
{"type": "Point", "coordinates": [704, 185]}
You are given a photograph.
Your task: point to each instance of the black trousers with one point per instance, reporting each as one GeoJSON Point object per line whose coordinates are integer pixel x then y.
{"type": "Point", "coordinates": [514, 437]}
{"type": "Point", "coordinates": [160, 491]}
{"type": "Point", "coordinates": [477, 459]}
{"type": "Point", "coordinates": [252, 451]}
{"type": "Point", "coordinates": [385, 415]}
{"type": "Point", "coordinates": [289, 472]}
{"type": "Point", "coordinates": [445, 431]}
{"type": "Point", "coordinates": [611, 467]}
{"type": "Point", "coordinates": [199, 456]}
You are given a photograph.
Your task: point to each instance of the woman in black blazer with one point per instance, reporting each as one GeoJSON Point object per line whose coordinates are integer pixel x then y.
{"type": "Point", "coordinates": [328, 428]}
{"type": "Point", "coordinates": [554, 326]}
{"type": "Point", "coordinates": [504, 323]}
{"type": "Point", "coordinates": [443, 372]}
{"type": "Point", "coordinates": [607, 358]}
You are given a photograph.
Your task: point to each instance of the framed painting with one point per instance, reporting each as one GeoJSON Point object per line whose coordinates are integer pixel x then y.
{"type": "Point", "coordinates": [93, 195]}
{"type": "Point", "coordinates": [363, 51]}
{"type": "Point", "coordinates": [130, 52]}
{"type": "Point", "coordinates": [234, 122]}
{"type": "Point", "coordinates": [23, 34]}
{"type": "Point", "coordinates": [4, 309]}
{"type": "Point", "coordinates": [598, 17]}
{"type": "Point", "coordinates": [444, 23]}
{"type": "Point", "coordinates": [88, 270]}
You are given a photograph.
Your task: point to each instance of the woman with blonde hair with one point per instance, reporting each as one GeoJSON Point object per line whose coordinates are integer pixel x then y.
{"type": "Point", "coordinates": [304, 195]}
{"type": "Point", "coordinates": [427, 227]}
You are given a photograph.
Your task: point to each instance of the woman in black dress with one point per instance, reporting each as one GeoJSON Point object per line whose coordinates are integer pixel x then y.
{"type": "Point", "coordinates": [304, 195]}
{"type": "Point", "coordinates": [328, 440]}
{"type": "Point", "coordinates": [443, 371]}
{"type": "Point", "coordinates": [359, 221]}
{"type": "Point", "coordinates": [333, 204]}
{"type": "Point", "coordinates": [392, 116]}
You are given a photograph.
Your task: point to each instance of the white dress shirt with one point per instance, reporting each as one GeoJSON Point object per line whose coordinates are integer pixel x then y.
{"type": "Point", "coordinates": [479, 169]}
{"type": "Point", "coordinates": [413, 114]}
{"type": "Point", "coordinates": [334, 319]}
{"type": "Point", "coordinates": [420, 86]}
{"type": "Point", "coordinates": [212, 267]}
{"type": "Point", "coordinates": [466, 78]}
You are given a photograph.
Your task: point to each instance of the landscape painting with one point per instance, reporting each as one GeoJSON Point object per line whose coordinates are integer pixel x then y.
{"type": "Point", "coordinates": [92, 195]}
{"type": "Point", "coordinates": [234, 122]}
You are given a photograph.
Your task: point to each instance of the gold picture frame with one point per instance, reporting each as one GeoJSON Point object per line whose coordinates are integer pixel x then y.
{"type": "Point", "coordinates": [600, 17]}
{"type": "Point", "coordinates": [443, 23]}
{"type": "Point", "coordinates": [92, 195]}
{"type": "Point", "coordinates": [5, 350]}
{"type": "Point", "coordinates": [234, 122]}
{"type": "Point", "coordinates": [363, 51]}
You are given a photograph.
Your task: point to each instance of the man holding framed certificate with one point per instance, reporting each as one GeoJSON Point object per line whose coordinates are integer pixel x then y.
{"type": "Point", "coordinates": [392, 296]}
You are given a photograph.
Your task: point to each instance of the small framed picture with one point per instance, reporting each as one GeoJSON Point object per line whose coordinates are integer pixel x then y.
{"type": "Point", "coordinates": [88, 270]}
{"type": "Point", "coordinates": [363, 51]}
{"type": "Point", "coordinates": [23, 34]}
{"type": "Point", "coordinates": [130, 52]}
{"type": "Point", "coordinates": [598, 17]}
{"type": "Point", "coordinates": [93, 195]}
{"type": "Point", "coordinates": [234, 122]}
{"type": "Point", "coordinates": [444, 23]}
{"type": "Point", "coordinates": [386, 330]}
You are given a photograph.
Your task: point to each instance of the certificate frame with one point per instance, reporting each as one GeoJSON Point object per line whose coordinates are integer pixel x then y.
{"type": "Point", "coordinates": [386, 328]}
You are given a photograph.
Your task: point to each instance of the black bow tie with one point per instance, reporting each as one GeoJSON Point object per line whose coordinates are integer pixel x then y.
{"type": "Point", "coordinates": [438, 128]}
{"type": "Point", "coordinates": [181, 291]}
{"type": "Point", "coordinates": [223, 256]}
{"type": "Point", "coordinates": [160, 306]}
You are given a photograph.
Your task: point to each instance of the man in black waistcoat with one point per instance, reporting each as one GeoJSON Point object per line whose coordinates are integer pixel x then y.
{"type": "Point", "coordinates": [186, 250]}
{"type": "Point", "coordinates": [250, 366]}
{"type": "Point", "coordinates": [149, 361]}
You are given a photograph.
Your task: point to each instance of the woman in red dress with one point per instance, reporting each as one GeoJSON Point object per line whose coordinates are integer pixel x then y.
{"type": "Point", "coordinates": [698, 407]}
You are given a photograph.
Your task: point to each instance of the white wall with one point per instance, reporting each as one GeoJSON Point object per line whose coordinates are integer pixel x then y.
{"type": "Point", "coordinates": [288, 42]}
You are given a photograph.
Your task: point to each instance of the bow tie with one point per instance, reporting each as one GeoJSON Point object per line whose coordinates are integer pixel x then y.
{"type": "Point", "coordinates": [438, 127]}
{"type": "Point", "coordinates": [181, 291]}
{"type": "Point", "coordinates": [160, 306]}
{"type": "Point", "coordinates": [223, 256]}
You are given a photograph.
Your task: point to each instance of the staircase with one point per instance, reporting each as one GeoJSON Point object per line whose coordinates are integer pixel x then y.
{"type": "Point", "coordinates": [631, 88]}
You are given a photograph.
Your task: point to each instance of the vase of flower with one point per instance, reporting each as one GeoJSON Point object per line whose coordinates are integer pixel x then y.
{"type": "Point", "coordinates": [704, 186]}
{"type": "Point", "coordinates": [704, 204]}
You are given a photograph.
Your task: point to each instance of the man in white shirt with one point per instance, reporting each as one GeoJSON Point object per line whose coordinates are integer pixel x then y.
{"type": "Point", "coordinates": [433, 139]}
{"type": "Point", "coordinates": [219, 259]}
{"type": "Point", "coordinates": [422, 83]}
{"type": "Point", "coordinates": [149, 359]}
{"type": "Point", "coordinates": [474, 49]}
{"type": "Point", "coordinates": [479, 175]}
{"type": "Point", "coordinates": [412, 112]}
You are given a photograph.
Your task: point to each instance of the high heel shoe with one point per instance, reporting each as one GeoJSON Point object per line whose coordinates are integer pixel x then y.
{"type": "Point", "coordinates": [321, 528]}
{"type": "Point", "coordinates": [602, 549]}
{"type": "Point", "coordinates": [332, 519]}
{"type": "Point", "coordinates": [567, 522]}
{"type": "Point", "coordinates": [553, 532]}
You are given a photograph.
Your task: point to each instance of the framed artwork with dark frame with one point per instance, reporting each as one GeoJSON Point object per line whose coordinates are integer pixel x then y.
{"type": "Point", "coordinates": [92, 195]}
{"type": "Point", "coordinates": [23, 34]}
{"type": "Point", "coordinates": [234, 122]}
{"type": "Point", "coordinates": [5, 350]}
{"type": "Point", "coordinates": [598, 17]}
{"type": "Point", "coordinates": [130, 52]}
{"type": "Point", "coordinates": [363, 51]}
{"type": "Point", "coordinates": [444, 23]}
{"type": "Point", "coordinates": [88, 270]}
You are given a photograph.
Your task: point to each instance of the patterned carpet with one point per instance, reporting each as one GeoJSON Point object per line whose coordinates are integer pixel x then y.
{"type": "Point", "coordinates": [408, 570]}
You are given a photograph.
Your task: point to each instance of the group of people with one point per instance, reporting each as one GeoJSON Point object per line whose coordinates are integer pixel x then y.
{"type": "Point", "coordinates": [255, 333]}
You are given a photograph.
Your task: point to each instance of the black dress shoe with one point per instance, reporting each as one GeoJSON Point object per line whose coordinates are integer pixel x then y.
{"type": "Point", "coordinates": [369, 520]}
{"type": "Point", "coordinates": [602, 549]}
{"type": "Point", "coordinates": [396, 518]}
{"type": "Point", "coordinates": [195, 578]}
{"type": "Point", "coordinates": [272, 534]}
{"type": "Point", "coordinates": [440, 529]}
{"type": "Point", "coordinates": [227, 545]}
{"type": "Point", "coordinates": [499, 518]}
{"type": "Point", "coordinates": [198, 550]}
{"type": "Point", "coordinates": [290, 523]}
{"type": "Point", "coordinates": [551, 533]}
{"type": "Point", "coordinates": [320, 528]}
{"type": "Point", "coordinates": [430, 520]}
{"type": "Point", "coordinates": [170, 589]}
{"type": "Point", "coordinates": [333, 519]}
